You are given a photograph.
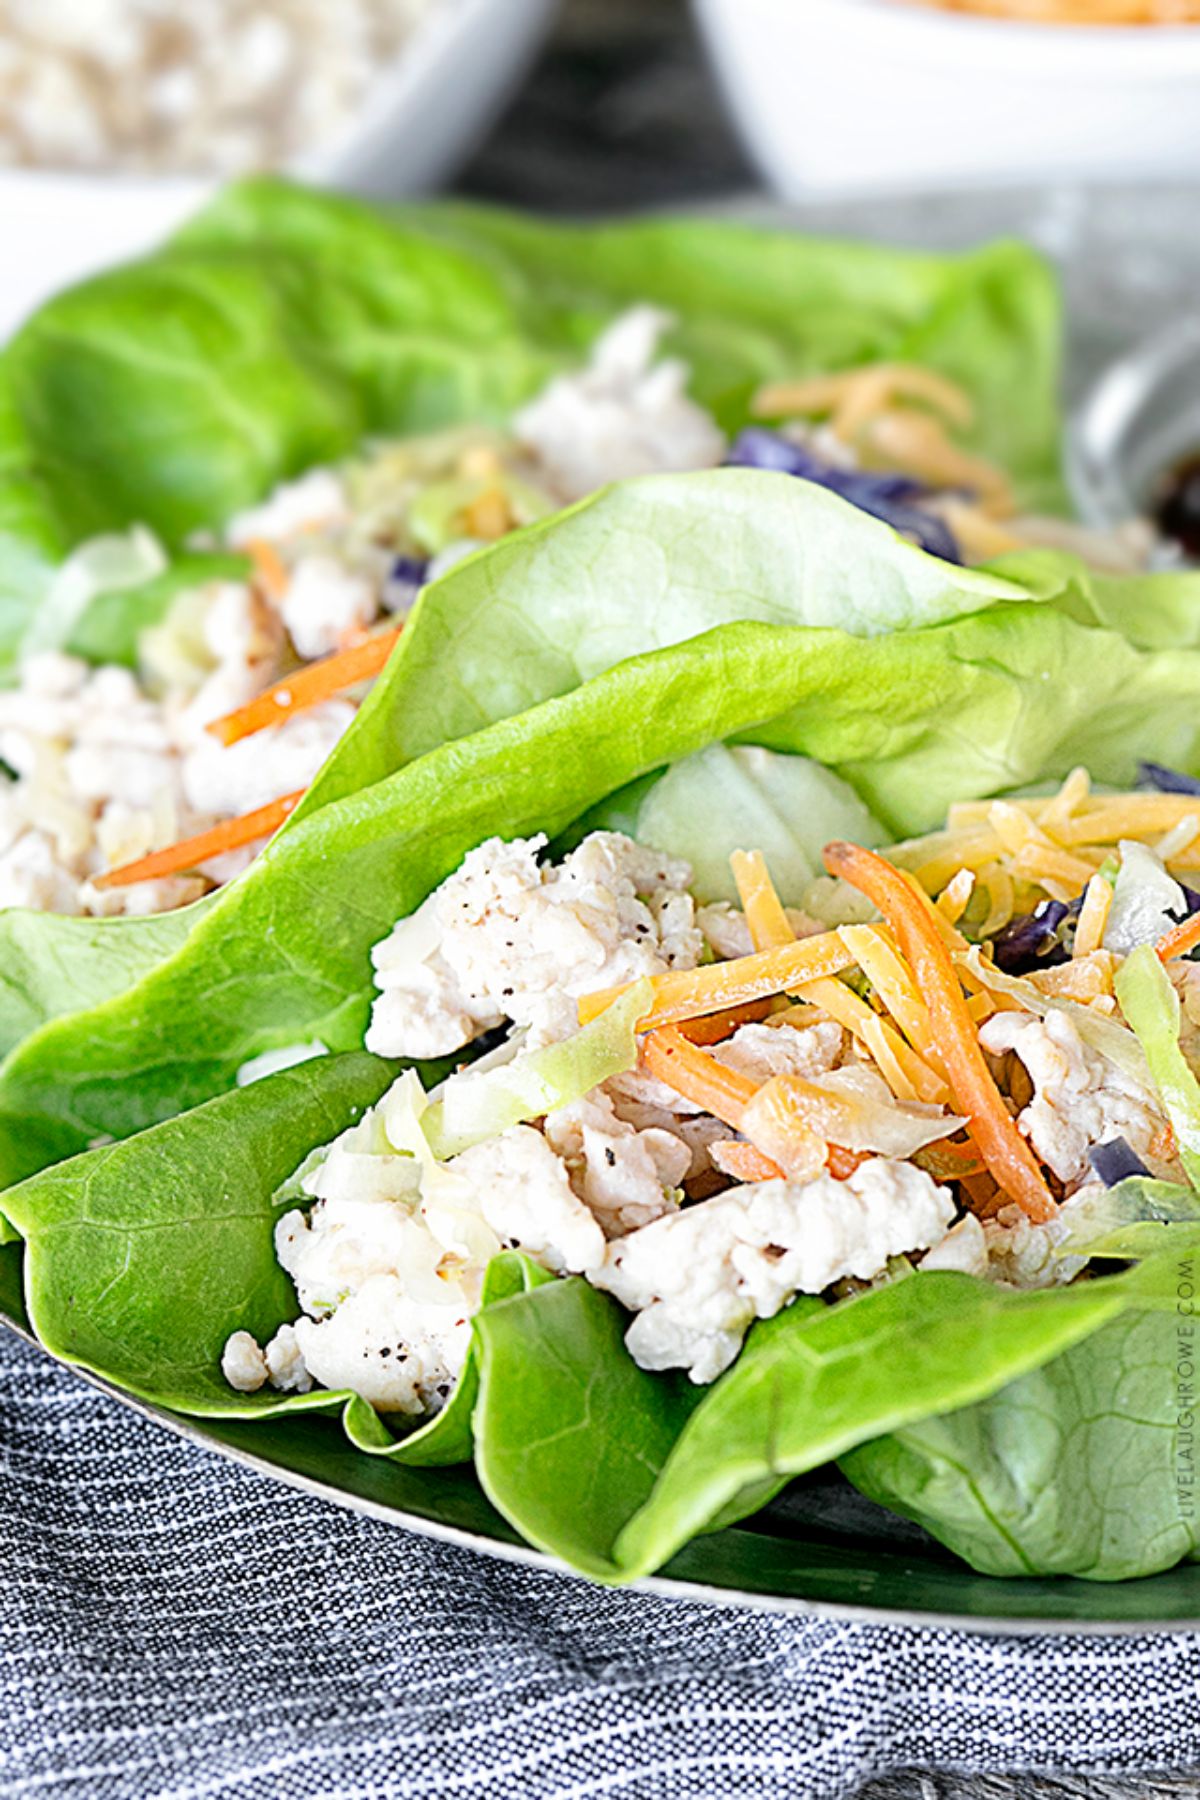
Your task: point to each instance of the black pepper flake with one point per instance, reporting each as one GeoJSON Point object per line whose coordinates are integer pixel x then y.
{"type": "Point", "coordinates": [443, 1388]}
{"type": "Point", "coordinates": [386, 1351]}
{"type": "Point", "coordinates": [610, 1156]}
{"type": "Point", "coordinates": [506, 993]}
{"type": "Point", "coordinates": [402, 1356]}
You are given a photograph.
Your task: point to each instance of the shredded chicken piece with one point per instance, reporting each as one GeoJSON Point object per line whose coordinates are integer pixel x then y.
{"type": "Point", "coordinates": [627, 1176]}
{"type": "Point", "coordinates": [696, 1279]}
{"type": "Point", "coordinates": [505, 937]}
{"type": "Point", "coordinates": [1080, 1098]}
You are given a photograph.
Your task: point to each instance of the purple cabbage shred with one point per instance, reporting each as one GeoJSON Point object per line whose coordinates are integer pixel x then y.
{"type": "Point", "coordinates": [406, 578]}
{"type": "Point", "coordinates": [892, 498]}
{"type": "Point", "coordinates": [1166, 781]}
{"type": "Point", "coordinates": [1034, 941]}
{"type": "Point", "coordinates": [1115, 1161]}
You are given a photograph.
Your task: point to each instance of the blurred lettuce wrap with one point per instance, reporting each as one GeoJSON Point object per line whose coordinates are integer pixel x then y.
{"type": "Point", "coordinates": [282, 327]}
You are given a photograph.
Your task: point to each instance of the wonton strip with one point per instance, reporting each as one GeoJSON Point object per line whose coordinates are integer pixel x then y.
{"type": "Point", "coordinates": [692, 993]}
{"type": "Point", "coordinates": [307, 687]}
{"type": "Point", "coordinates": [189, 853]}
{"type": "Point", "coordinates": [1005, 1151]}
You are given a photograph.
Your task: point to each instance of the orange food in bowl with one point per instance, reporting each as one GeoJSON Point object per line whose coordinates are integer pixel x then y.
{"type": "Point", "coordinates": [1080, 12]}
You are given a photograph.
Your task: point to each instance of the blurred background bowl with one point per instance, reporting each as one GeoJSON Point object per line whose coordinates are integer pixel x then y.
{"type": "Point", "coordinates": [419, 122]}
{"type": "Point", "coordinates": [856, 96]}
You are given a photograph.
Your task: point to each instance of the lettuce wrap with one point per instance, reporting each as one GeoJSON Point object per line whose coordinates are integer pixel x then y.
{"type": "Point", "coordinates": [551, 680]}
{"type": "Point", "coordinates": [142, 1256]}
{"type": "Point", "coordinates": [282, 327]}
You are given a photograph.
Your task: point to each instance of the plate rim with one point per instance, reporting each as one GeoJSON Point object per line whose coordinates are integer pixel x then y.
{"type": "Point", "coordinates": [671, 1587]}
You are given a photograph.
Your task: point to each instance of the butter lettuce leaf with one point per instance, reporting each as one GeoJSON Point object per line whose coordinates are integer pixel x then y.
{"type": "Point", "coordinates": [911, 721]}
{"type": "Point", "coordinates": [140, 1259]}
{"type": "Point", "coordinates": [283, 326]}
{"type": "Point", "coordinates": [1085, 1466]}
{"type": "Point", "coordinates": [635, 568]}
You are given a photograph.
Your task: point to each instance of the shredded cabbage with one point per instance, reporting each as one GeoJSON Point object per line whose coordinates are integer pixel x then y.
{"type": "Point", "coordinates": [1146, 901]}
{"type": "Point", "coordinates": [103, 565]}
{"type": "Point", "coordinates": [1105, 1036]}
{"type": "Point", "coordinates": [1151, 1006]}
{"type": "Point", "coordinates": [477, 1106]}
{"type": "Point", "coordinates": [1125, 1220]}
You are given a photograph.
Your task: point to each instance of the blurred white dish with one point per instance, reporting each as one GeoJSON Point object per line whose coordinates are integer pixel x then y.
{"type": "Point", "coordinates": [879, 95]}
{"type": "Point", "coordinates": [420, 122]}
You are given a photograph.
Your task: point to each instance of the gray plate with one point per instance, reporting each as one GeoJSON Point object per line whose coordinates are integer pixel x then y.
{"type": "Point", "coordinates": [1131, 264]}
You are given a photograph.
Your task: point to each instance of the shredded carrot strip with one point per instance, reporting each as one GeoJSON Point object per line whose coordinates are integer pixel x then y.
{"type": "Point", "coordinates": [743, 1161]}
{"type": "Point", "coordinates": [270, 570]}
{"type": "Point", "coordinates": [1005, 1151]}
{"type": "Point", "coordinates": [765, 916]}
{"type": "Point", "coordinates": [307, 687]}
{"type": "Point", "coordinates": [189, 853]}
{"type": "Point", "coordinates": [726, 1093]}
{"type": "Point", "coordinates": [716, 987]}
{"type": "Point", "coordinates": [699, 1077]}
{"type": "Point", "coordinates": [1180, 939]}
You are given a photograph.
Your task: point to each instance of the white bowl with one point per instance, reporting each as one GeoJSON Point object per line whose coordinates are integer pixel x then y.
{"type": "Point", "coordinates": [421, 120]}
{"type": "Point", "coordinates": [858, 96]}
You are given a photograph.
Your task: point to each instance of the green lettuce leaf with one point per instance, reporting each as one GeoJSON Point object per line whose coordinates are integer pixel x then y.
{"type": "Point", "coordinates": [138, 1255]}
{"type": "Point", "coordinates": [52, 964]}
{"type": "Point", "coordinates": [141, 1258]}
{"type": "Point", "coordinates": [1085, 1466]}
{"type": "Point", "coordinates": [912, 721]}
{"type": "Point", "coordinates": [1158, 611]}
{"type": "Point", "coordinates": [724, 799]}
{"type": "Point", "coordinates": [1033, 1433]}
{"type": "Point", "coordinates": [631, 569]}
{"type": "Point", "coordinates": [284, 325]}
{"type": "Point", "coordinates": [1151, 1007]}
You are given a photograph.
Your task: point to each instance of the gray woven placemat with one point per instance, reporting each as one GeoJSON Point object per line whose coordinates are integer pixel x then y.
{"type": "Point", "coordinates": [175, 1627]}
